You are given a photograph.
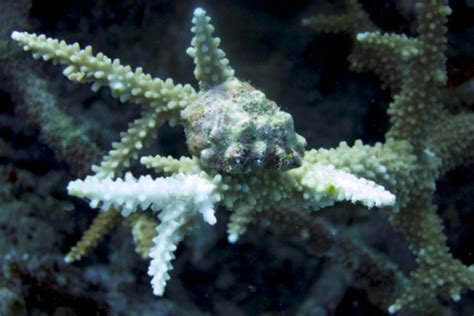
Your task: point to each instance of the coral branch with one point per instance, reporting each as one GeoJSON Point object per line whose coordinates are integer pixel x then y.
{"type": "Point", "coordinates": [124, 83]}
{"type": "Point", "coordinates": [212, 67]}
{"type": "Point", "coordinates": [102, 224]}
{"type": "Point", "coordinates": [455, 144]}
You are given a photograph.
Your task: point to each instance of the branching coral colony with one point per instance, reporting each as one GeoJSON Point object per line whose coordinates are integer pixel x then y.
{"type": "Point", "coordinates": [246, 156]}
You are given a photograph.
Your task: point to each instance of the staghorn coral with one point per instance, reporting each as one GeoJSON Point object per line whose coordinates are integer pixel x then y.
{"type": "Point", "coordinates": [413, 68]}
{"type": "Point", "coordinates": [184, 195]}
{"type": "Point", "coordinates": [370, 163]}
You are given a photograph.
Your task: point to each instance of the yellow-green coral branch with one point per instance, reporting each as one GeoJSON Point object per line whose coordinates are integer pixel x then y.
{"type": "Point", "coordinates": [418, 105]}
{"type": "Point", "coordinates": [354, 20]}
{"type": "Point", "coordinates": [101, 225]}
{"type": "Point", "coordinates": [384, 54]}
{"type": "Point", "coordinates": [143, 231]}
{"type": "Point", "coordinates": [391, 164]}
{"type": "Point", "coordinates": [432, 17]}
{"type": "Point", "coordinates": [169, 165]}
{"type": "Point", "coordinates": [396, 46]}
{"type": "Point", "coordinates": [452, 140]}
{"type": "Point", "coordinates": [139, 134]}
{"type": "Point", "coordinates": [69, 141]}
{"type": "Point", "coordinates": [212, 67]}
{"type": "Point", "coordinates": [124, 82]}
{"type": "Point", "coordinates": [438, 272]}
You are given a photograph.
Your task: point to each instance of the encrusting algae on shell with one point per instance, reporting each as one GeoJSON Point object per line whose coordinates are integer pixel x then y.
{"type": "Point", "coordinates": [235, 129]}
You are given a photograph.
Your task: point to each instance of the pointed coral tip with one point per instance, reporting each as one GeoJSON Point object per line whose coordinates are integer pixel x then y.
{"type": "Point", "coordinates": [394, 309]}
{"type": "Point", "coordinates": [199, 12]}
{"type": "Point", "coordinates": [232, 238]}
{"type": "Point", "coordinates": [15, 35]}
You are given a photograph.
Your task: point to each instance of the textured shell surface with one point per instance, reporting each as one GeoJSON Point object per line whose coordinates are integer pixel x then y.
{"type": "Point", "coordinates": [233, 128]}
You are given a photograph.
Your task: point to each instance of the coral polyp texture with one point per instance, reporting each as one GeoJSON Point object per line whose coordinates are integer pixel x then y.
{"type": "Point", "coordinates": [246, 156]}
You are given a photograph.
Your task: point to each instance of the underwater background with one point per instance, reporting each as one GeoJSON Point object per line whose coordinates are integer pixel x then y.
{"type": "Point", "coordinates": [265, 273]}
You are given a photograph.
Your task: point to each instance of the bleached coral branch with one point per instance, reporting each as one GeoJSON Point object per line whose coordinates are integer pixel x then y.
{"type": "Point", "coordinates": [197, 192]}
{"type": "Point", "coordinates": [172, 229]}
{"type": "Point", "coordinates": [179, 198]}
{"type": "Point", "coordinates": [323, 185]}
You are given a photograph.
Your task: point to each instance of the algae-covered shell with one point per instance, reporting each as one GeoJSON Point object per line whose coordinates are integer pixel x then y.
{"type": "Point", "coordinates": [234, 128]}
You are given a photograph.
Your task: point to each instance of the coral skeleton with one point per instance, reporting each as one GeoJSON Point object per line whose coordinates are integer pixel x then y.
{"type": "Point", "coordinates": [246, 156]}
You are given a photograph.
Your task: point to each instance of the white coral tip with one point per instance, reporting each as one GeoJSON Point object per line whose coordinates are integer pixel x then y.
{"type": "Point", "coordinates": [209, 216]}
{"type": "Point", "coordinates": [199, 12]}
{"type": "Point", "coordinates": [394, 308]}
{"type": "Point", "coordinates": [232, 238]}
{"type": "Point", "coordinates": [16, 35]}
